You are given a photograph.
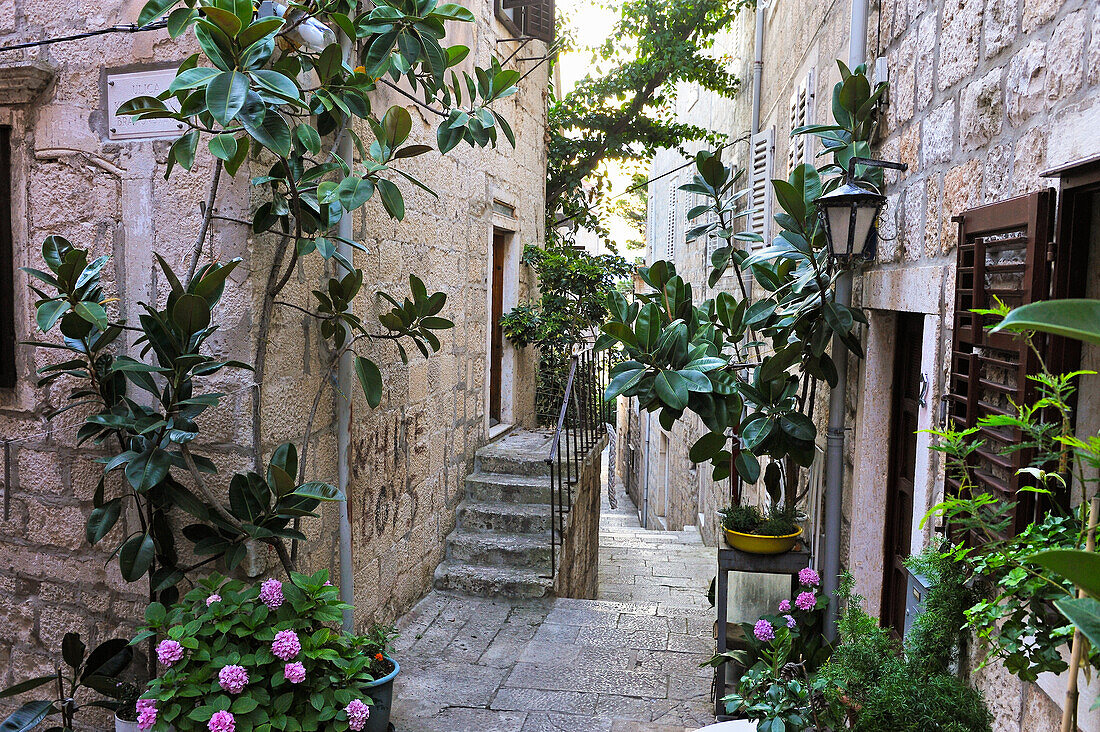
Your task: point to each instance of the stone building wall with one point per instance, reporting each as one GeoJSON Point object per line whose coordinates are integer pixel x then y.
{"type": "Point", "coordinates": [408, 457]}
{"type": "Point", "coordinates": [985, 94]}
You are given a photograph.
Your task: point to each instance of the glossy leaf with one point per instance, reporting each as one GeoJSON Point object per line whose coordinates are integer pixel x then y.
{"type": "Point", "coordinates": [1073, 318]}
{"type": "Point", "coordinates": [370, 378]}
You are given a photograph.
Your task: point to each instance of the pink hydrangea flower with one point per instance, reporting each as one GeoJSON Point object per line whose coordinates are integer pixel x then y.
{"type": "Point", "coordinates": [169, 652]}
{"type": "Point", "coordinates": [763, 631]}
{"type": "Point", "coordinates": [286, 645]}
{"type": "Point", "coordinates": [808, 577]}
{"type": "Point", "coordinates": [222, 722]}
{"type": "Point", "coordinates": [358, 712]}
{"type": "Point", "coordinates": [233, 678]}
{"type": "Point", "coordinates": [271, 593]}
{"type": "Point", "coordinates": [805, 601]}
{"type": "Point", "coordinates": [784, 606]}
{"type": "Point", "coordinates": [212, 599]}
{"type": "Point", "coordinates": [294, 672]}
{"type": "Point", "coordinates": [147, 713]}
{"type": "Point", "coordinates": [791, 622]}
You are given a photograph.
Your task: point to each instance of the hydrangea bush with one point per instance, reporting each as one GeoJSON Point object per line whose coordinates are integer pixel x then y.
{"type": "Point", "coordinates": [236, 657]}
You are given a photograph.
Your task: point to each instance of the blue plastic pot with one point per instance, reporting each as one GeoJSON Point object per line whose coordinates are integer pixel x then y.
{"type": "Point", "coordinates": [381, 693]}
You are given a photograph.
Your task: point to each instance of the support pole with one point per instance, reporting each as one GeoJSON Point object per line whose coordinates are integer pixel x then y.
{"type": "Point", "coordinates": [834, 455]}
{"type": "Point", "coordinates": [344, 374]}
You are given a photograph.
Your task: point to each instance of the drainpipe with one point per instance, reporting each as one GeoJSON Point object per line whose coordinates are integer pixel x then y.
{"type": "Point", "coordinates": [645, 489]}
{"type": "Point", "coordinates": [343, 398]}
{"type": "Point", "coordinates": [834, 456]}
{"type": "Point", "coordinates": [757, 66]}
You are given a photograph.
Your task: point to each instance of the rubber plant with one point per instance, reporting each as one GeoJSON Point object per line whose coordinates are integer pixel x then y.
{"type": "Point", "coordinates": [747, 365]}
{"type": "Point", "coordinates": [262, 102]}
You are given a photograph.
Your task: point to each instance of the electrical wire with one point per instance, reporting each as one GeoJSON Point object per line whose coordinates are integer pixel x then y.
{"type": "Point", "coordinates": [127, 28]}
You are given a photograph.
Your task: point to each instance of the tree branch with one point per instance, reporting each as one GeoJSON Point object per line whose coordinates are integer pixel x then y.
{"type": "Point", "coordinates": [200, 240]}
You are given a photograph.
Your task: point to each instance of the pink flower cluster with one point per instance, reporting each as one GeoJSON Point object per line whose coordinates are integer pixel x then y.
{"type": "Point", "coordinates": [147, 713]}
{"type": "Point", "coordinates": [784, 606]}
{"type": "Point", "coordinates": [286, 645]}
{"type": "Point", "coordinates": [358, 712]}
{"type": "Point", "coordinates": [212, 599]}
{"type": "Point", "coordinates": [808, 578]}
{"type": "Point", "coordinates": [791, 622]}
{"type": "Point", "coordinates": [233, 678]}
{"type": "Point", "coordinates": [169, 652]}
{"type": "Point", "coordinates": [295, 672]}
{"type": "Point", "coordinates": [271, 593]}
{"type": "Point", "coordinates": [222, 722]}
{"type": "Point", "coordinates": [805, 601]}
{"type": "Point", "coordinates": [763, 631]}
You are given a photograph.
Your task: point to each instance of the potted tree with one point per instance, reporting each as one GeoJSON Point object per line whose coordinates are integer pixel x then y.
{"type": "Point", "coordinates": [377, 645]}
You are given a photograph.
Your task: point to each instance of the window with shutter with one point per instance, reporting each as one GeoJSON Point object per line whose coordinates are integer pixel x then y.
{"type": "Point", "coordinates": [671, 221]}
{"type": "Point", "coordinates": [1002, 252]}
{"type": "Point", "coordinates": [800, 149]}
{"type": "Point", "coordinates": [533, 18]}
{"type": "Point", "coordinates": [763, 153]}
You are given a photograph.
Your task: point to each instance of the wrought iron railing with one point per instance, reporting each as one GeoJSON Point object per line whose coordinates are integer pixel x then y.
{"type": "Point", "coordinates": [581, 423]}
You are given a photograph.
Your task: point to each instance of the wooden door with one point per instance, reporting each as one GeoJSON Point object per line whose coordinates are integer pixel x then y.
{"type": "Point", "coordinates": [903, 454]}
{"type": "Point", "coordinates": [496, 350]}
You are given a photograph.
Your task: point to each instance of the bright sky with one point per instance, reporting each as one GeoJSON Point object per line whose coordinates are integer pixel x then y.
{"type": "Point", "coordinates": [592, 22]}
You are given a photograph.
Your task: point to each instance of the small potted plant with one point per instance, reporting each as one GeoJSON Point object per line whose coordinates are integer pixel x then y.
{"type": "Point", "coordinates": [237, 656]}
{"type": "Point", "coordinates": [751, 530]}
{"type": "Point", "coordinates": [126, 713]}
{"type": "Point", "coordinates": [377, 646]}
{"type": "Point", "coordinates": [81, 672]}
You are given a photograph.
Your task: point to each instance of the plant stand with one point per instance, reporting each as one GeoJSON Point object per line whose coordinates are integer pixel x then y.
{"type": "Point", "coordinates": [734, 560]}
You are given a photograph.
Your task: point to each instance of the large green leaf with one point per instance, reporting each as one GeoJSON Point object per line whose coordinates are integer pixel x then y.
{"type": "Point", "coordinates": [225, 95]}
{"type": "Point", "coordinates": [370, 378]}
{"type": "Point", "coordinates": [391, 199]}
{"type": "Point", "coordinates": [72, 650]}
{"type": "Point", "coordinates": [153, 10]}
{"type": "Point", "coordinates": [135, 557]}
{"type": "Point", "coordinates": [148, 469]}
{"type": "Point", "coordinates": [1079, 567]}
{"type": "Point", "coordinates": [102, 520]}
{"type": "Point", "coordinates": [49, 312]}
{"type": "Point", "coordinates": [27, 685]}
{"type": "Point", "coordinates": [109, 658]}
{"type": "Point", "coordinates": [672, 389]}
{"type": "Point", "coordinates": [319, 491]}
{"type": "Point", "coordinates": [1074, 318]}
{"type": "Point", "coordinates": [1084, 613]}
{"type": "Point", "coordinates": [621, 382]}
{"type": "Point", "coordinates": [272, 131]}
{"type": "Point", "coordinates": [191, 313]}
{"type": "Point", "coordinates": [27, 716]}
{"type": "Point", "coordinates": [707, 447]}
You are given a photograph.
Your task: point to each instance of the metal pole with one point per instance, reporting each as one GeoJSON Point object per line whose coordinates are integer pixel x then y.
{"type": "Point", "coordinates": [834, 455]}
{"type": "Point", "coordinates": [343, 399]}
{"type": "Point", "coordinates": [757, 67]}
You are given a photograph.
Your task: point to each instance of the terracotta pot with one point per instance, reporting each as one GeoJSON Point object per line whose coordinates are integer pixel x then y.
{"type": "Point", "coordinates": [756, 544]}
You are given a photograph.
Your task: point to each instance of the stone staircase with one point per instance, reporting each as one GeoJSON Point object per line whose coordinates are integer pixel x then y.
{"type": "Point", "coordinates": [501, 544]}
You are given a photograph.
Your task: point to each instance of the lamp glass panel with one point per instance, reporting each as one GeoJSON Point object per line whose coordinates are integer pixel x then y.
{"type": "Point", "coordinates": [865, 218]}
{"type": "Point", "coordinates": [840, 222]}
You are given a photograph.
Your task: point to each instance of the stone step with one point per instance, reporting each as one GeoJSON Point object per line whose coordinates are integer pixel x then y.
{"type": "Point", "coordinates": [499, 550]}
{"type": "Point", "coordinates": [512, 464]}
{"type": "Point", "coordinates": [487, 581]}
{"type": "Point", "coordinates": [512, 518]}
{"type": "Point", "coordinates": [508, 488]}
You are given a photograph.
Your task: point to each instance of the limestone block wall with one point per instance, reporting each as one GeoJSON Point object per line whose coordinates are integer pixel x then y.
{"type": "Point", "coordinates": [579, 555]}
{"type": "Point", "coordinates": [409, 456]}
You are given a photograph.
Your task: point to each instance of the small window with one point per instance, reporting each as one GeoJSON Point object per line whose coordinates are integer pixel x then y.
{"type": "Point", "coordinates": [760, 198]}
{"type": "Point", "coordinates": [534, 18]}
{"type": "Point", "coordinates": [671, 220]}
{"type": "Point", "coordinates": [7, 267]}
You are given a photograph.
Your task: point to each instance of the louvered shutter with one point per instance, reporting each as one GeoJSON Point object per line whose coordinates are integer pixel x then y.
{"type": "Point", "coordinates": [534, 17]}
{"type": "Point", "coordinates": [1002, 252]}
{"type": "Point", "coordinates": [763, 154]}
{"type": "Point", "coordinates": [670, 221]}
{"type": "Point", "coordinates": [801, 108]}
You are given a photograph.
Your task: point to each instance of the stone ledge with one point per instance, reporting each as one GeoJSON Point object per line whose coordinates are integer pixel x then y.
{"type": "Point", "coordinates": [21, 84]}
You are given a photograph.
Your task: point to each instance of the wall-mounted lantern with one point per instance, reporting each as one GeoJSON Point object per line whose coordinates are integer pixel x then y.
{"type": "Point", "coordinates": [849, 213]}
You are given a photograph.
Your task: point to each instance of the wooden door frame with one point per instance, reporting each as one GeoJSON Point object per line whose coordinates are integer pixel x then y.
{"type": "Point", "coordinates": [509, 299]}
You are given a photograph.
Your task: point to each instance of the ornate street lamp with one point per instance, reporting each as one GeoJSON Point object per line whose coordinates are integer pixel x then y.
{"type": "Point", "coordinates": [849, 213]}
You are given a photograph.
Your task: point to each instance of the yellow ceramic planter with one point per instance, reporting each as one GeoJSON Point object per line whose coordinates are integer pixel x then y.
{"type": "Point", "coordinates": [755, 544]}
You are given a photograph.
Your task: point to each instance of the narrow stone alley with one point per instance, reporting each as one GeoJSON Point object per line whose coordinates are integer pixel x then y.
{"type": "Point", "coordinates": [627, 661]}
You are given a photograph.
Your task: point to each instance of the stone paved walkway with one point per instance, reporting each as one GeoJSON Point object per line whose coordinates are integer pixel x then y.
{"type": "Point", "coordinates": [623, 665]}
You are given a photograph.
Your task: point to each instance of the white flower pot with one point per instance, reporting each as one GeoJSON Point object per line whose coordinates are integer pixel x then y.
{"type": "Point", "coordinates": [121, 725]}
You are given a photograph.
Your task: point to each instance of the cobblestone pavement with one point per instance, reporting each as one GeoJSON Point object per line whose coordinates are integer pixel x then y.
{"type": "Point", "coordinates": [623, 665]}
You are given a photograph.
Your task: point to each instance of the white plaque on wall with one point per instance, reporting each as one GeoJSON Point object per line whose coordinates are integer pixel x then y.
{"type": "Point", "coordinates": [123, 87]}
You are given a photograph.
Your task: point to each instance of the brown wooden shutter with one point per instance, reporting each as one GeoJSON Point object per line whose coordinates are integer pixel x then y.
{"type": "Point", "coordinates": [1002, 252]}
{"type": "Point", "coordinates": [535, 17]}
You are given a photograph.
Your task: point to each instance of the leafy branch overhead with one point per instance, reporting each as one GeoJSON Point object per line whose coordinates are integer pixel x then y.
{"type": "Point", "coordinates": [624, 109]}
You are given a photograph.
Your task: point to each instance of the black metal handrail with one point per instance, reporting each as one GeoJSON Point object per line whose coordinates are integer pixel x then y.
{"type": "Point", "coordinates": [582, 421]}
